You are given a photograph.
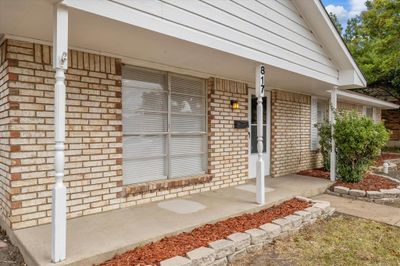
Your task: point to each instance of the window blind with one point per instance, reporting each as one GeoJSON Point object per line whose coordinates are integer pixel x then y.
{"type": "Point", "coordinates": [164, 125]}
{"type": "Point", "coordinates": [145, 125]}
{"type": "Point", "coordinates": [188, 125]}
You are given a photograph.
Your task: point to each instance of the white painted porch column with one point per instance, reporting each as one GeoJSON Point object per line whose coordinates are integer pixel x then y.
{"type": "Point", "coordinates": [59, 193]}
{"type": "Point", "coordinates": [260, 179]}
{"type": "Point", "coordinates": [332, 121]}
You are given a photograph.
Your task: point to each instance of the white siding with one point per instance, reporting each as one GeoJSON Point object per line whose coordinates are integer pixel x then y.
{"type": "Point", "coordinates": [268, 31]}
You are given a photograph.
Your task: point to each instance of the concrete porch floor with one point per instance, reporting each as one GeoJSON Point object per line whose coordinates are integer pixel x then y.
{"type": "Point", "coordinates": [95, 238]}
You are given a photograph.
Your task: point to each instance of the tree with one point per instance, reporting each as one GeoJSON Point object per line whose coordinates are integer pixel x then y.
{"type": "Point", "coordinates": [336, 22]}
{"type": "Point", "coordinates": [374, 40]}
{"type": "Point", "coordinates": [359, 141]}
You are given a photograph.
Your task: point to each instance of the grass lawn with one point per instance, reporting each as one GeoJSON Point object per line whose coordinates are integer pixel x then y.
{"type": "Point", "coordinates": [340, 240]}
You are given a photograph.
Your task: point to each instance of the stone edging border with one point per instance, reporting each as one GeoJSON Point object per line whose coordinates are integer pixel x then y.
{"type": "Point", "coordinates": [224, 251]}
{"type": "Point", "coordinates": [382, 196]}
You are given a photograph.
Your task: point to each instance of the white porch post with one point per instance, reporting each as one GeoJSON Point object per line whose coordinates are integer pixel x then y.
{"type": "Point", "coordinates": [332, 121]}
{"type": "Point", "coordinates": [260, 179]}
{"type": "Point", "coordinates": [59, 201]}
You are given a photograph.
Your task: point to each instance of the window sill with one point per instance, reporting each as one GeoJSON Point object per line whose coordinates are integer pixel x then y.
{"type": "Point", "coordinates": [153, 186]}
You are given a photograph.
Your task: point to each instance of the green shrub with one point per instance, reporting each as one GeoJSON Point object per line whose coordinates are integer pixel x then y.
{"type": "Point", "coordinates": [358, 142]}
{"type": "Point", "coordinates": [325, 136]}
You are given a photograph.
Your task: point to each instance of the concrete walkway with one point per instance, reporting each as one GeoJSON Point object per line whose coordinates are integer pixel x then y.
{"type": "Point", "coordinates": [372, 211]}
{"type": "Point", "coordinates": [93, 239]}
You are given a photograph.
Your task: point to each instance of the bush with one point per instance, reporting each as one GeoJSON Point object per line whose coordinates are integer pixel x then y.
{"type": "Point", "coordinates": [325, 136]}
{"type": "Point", "coordinates": [358, 142]}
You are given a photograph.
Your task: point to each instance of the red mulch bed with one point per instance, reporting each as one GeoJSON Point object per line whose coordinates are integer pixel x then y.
{"type": "Point", "coordinates": [386, 156]}
{"type": "Point", "coordinates": [316, 172]}
{"type": "Point", "coordinates": [179, 245]}
{"type": "Point", "coordinates": [370, 182]}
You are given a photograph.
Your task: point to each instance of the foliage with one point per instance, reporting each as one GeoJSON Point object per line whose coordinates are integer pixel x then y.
{"type": "Point", "coordinates": [336, 22]}
{"type": "Point", "coordinates": [359, 141]}
{"type": "Point", "coordinates": [325, 136]}
{"type": "Point", "coordinates": [374, 41]}
{"type": "Point", "coordinates": [340, 240]}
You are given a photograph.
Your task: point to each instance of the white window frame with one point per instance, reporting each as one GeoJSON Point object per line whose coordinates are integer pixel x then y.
{"type": "Point", "coordinates": [375, 116]}
{"type": "Point", "coordinates": [169, 133]}
{"type": "Point", "coordinates": [314, 138]}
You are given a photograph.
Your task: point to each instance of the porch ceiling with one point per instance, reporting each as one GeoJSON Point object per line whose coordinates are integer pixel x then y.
{"type": "Point", "coordinates": [141, 47]}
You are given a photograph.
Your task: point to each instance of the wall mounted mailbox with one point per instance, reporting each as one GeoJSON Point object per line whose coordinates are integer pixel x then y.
{"type": "Point", "coordinates": [241, 124]}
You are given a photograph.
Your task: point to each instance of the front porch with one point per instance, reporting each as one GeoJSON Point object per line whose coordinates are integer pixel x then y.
{"type": "Point", "coordinates": [95, 238]}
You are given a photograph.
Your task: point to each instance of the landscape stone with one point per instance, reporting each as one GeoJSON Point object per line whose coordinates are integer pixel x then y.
{"type": "Point", "coordinates": [341, 190]}
{"type": "Point", "coordinates": [201, 256]}
{"type": "Point", "coordinates": [272, 230]}
{"type": "Point", "coordinates": [285, 224]}
{"type": "Point", "coordinates": [303, 198]}
{"type": "Point", "coordinates": [315, 212]}
{"type": "Point", "coordinates": [222, 247]}
{"type": "Point", "coordinates": [240, 240]}
{"type": "Point", "coordinates": [391, 193]}
{"type": "Point", "coordinates": [357, 192]}
{"type": "Point", "coordinates": [331, 211]}
{"type": "Point", "coordinates": [257, 236]}
{"type": "Point", "coordinates": [255, 248]}
{"type": "Point", "coordinates": [306, 216]}
{"type": "Point", "coordinates": [374, 194]}
{"type": "Point", "coordinates": [295, 220]}
{"type": "Point", "coordinates": [237, 255]}
{"type": "Point", "coordinates": [176, 261]}
{"type": "Point", "coordinates": [385, 201]}
{"type": "Point", "coordinates": [221, 262]}
{"type": "Point", "coordinates": [324, 206]}
{"type": "Point", "coordinates": [3, 245]}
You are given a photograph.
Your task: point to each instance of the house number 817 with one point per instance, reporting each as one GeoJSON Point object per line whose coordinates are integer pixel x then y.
{"type": "Point", "coordinates": [262, 83]}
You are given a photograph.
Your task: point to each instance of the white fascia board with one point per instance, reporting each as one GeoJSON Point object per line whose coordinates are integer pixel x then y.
{"type": "Point", "coordinates": [359, 80]}
{"type": "Point", "coordinates": [366, 100]}
{"type": "Point", "coordinates": [118, 12]}
{"type": "Point", "coordinates": [348, 79]}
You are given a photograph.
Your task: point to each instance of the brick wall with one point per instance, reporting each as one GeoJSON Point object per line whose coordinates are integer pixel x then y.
{"type": "Point", "coordinates": [5, 176]}
{"type": "Point", "coordinates": [349, 107]}
{"type": "Point", "coordinates": [392, 122]}
{"type": "Point", "coordinates": [290, 134]}
{"type": "Point", "coordinates": [93, 169]}
{"type": "Point", "coordinates": [227, 146]}
{"type": "Point", "coordinates": [290, 130]}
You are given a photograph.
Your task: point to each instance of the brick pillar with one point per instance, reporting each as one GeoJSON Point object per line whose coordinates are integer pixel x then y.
{"type": "Point", "coordinates": [6, 176]}
{"type": "Point", "coordinates": [93, 148]}
{"type": "Point", "coordinates": [290, 134]}
{"type": "Point", "coordinates": [227, 146]}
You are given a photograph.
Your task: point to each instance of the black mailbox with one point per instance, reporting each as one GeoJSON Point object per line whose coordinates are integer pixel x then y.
{"type": "Point", "coordinates": [241, 124]}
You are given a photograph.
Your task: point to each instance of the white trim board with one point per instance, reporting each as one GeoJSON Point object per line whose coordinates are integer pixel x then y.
{"type": "Point", "coordinates": [365, 100]}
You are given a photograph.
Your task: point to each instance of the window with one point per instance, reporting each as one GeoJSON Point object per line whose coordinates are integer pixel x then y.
{"type": "Point", "coordinates": [369, 112]}
{"type": "Point", "coordinates": [164, 125]}
{"type": "Point", "coordinates": [319, 114]}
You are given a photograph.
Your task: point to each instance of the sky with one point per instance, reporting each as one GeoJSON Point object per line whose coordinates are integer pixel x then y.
{"type": "Point", "coordinates": [345, 9]}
